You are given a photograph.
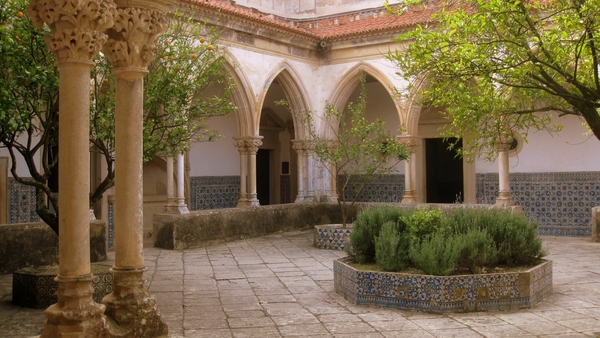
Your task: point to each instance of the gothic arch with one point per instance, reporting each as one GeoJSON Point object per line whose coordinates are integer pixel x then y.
{"type": "Point", "coordinates": [294, 92]}
{"type": "Point", "coordinates": [242, 97]}
{"type": "Point", "coordinates": [351, 79]}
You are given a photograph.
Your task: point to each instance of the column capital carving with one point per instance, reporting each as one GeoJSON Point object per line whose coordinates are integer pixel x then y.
{"type": "Point", "coordinates": [77, 26]}
{"type": "Point", "coordinates": [131, 41]}
{"type": "Point", "coordinates": [504, 141]}
{"type": "Point", "coordinates": [253, 144]}
{"type": "Point", "coordinates": [240, 144]}
{"type": "Point", "coordinates": [411, 142]}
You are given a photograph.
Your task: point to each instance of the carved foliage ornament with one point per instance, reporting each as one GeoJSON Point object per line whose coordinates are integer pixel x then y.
{"type": "Point", "coordinates": [131, 39]}
{"type": "Point", "coordinates": [77, 25]}
{"type": "Point", "coordinates": [253, 145]}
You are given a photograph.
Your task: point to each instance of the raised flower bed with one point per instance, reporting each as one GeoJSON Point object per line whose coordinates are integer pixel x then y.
{"type": "Point", "coordinates": [442, 294]}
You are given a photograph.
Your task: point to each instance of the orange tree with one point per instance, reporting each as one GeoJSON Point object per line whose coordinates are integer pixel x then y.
{"type": "Point", "coordinates": [186, 85]}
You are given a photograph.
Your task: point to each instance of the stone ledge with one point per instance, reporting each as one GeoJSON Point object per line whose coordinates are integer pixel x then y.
{"type": "Point", "coordinates": [35, 287]}
{"type": "Point", "coordinates": [35, 244]}
{"type": "Point", "coordinates": [443, 294]}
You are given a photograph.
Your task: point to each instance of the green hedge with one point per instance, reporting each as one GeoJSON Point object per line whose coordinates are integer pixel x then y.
{"type": "Point", "coordinates": [438, 242]}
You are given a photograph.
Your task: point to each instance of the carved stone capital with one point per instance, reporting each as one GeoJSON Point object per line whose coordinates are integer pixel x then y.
{"type": "Point", "coordinates": [241, 146]}
{"type": "Point", "coordinates": [411, 142]}
{"type": "Point", "coordinates": [252, 145]}
{"type": "Point", "coordinates": [77, 26]}
{"type": "Point", "coordinates": [505, 141]}
{"type": "Point", "coordinates": [131, 41]}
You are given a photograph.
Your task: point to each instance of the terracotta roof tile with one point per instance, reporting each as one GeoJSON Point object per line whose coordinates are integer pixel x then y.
{"type": "Point", "coordinates": [330, 28]}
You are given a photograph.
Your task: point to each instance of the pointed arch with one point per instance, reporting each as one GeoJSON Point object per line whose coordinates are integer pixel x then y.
{"type": "Point", "coordinates": [351, 80]}
{"type": "Point", "coordinates": [295, 94]}
{"type": "Point", "coordinates": [243, 97]}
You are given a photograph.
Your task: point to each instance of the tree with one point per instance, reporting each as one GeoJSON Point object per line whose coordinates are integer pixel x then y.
{"type": "Point", "coordinates": [28, 104]}
{"type": "Point", "coordinates": [185, 86]}
{"type": "Point", "coordinates": [500, 65]}
{"type": "Point", "coordinates": [179, 98]}
{"type": "Point", "coordinates": [357, 152]}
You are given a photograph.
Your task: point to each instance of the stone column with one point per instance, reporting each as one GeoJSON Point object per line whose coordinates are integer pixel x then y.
{"type": "Point", "coordinates": [130, 48]}
{"type": "Point", "coordinates": [240, 143]}
{"type": "Point", "coordinates": [252, 146]}
{"type": "Point", "coordinates": [181, 205]}
{"type": "Point", "coordinates": [331, 193]}
{"type": "Point", "coordinates": [310, 173]}
{"type": "Point", "coordinates": [411, 194]}
{"type": "Point", "coordinates": [298, 146]}
{"type": "Point", "coordinates": [170, 186]}
{"type": "Point", "coordinates": [504, 195]}
{"type": "Point", "coordinates": [77, 37]}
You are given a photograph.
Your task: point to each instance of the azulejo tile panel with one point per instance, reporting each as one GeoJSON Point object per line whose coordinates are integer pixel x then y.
{"type": "Point", "coordinates": [214, 192]}
{"type": "Point", "coordinates": [331, 237]}
{"type": "Point", "coordinates": [561, 202]}
{"type": "Point", "coordinates": [388, 188]}
{"type": "Point", "coordinates": [443, 293]}
{"type": "Point", "coordinates": [21, 203]}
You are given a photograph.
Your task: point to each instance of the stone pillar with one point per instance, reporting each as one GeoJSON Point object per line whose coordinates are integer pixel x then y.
{"type": "Point", "coordinates": [77, 37]}
{"type": "Point", "coordinates": [170, 185]}
{"type": "Point", "coordinates": [310, 173]}
{"type": "Point", "coordinates": [240, 143]}
{"type": "Point", "coordinates": [252, 147]}
{"type": "Point", "coordinates": [331, 184]}
{"type": "Point", "coordinates": [411, 194]}
{"type": "Point", "coordinates": [504, 195]}
{"type": "Point", "coordinates": [130, 48]}
{"type": "Point", "coordinates": [181, 205]}
{"type": "Point", "coordinates": [298, 146]}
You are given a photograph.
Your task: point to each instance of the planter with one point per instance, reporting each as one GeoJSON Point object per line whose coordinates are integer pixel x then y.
{"type": "Point", "coordinates": [443, 294]}
{"type": "Point", "coordinates": [332, 236]}
{"type": "Point", "coordinates": [35, 287]}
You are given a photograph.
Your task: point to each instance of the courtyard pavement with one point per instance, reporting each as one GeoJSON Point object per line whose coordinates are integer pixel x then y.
{"type": "Point", "coordinates": [281, 286]}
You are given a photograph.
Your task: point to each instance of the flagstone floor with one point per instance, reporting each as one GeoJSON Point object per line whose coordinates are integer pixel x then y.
{"type": "Point", "coordinates": [281, 286]}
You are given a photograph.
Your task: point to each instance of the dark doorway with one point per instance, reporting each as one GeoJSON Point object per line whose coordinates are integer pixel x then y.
{"type": "Point", "coordinates": [444, 171]}
{"type": "Point", "coordinates": [263, 171]}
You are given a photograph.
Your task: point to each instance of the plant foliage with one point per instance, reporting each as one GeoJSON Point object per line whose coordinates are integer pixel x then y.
{"type": "Point", "coordinates": [497, 65]}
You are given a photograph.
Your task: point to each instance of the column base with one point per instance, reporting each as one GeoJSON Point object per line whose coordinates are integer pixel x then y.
{"type": "Point", "coordinates": [243, 203]}
{"type": "Point", "coordinates": [410, 197]}
{"type": "Point", "coordinates": [75, 314]}
{"type": "Point", "coordinates": [130, 310]}
{"type": "Point", "coordinates": [254, 203]}
{"type": "Point", "coordinates": [177, 209]}
{"type": "Point", "coordinates": [329, 198]}
{"type": "Point", "coordinates": [505, 199]}
{"type": "Point", "coordinates": [299, 199]}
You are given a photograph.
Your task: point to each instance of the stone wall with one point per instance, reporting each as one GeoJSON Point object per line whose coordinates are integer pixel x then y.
{"type": "Point", "coordinates": [35, 244]}
{"type": "Point", "coordinates": [203, 228]}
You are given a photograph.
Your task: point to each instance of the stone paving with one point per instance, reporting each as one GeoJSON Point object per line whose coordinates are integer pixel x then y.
{"type": "Point", "coordinates": [281, 286]}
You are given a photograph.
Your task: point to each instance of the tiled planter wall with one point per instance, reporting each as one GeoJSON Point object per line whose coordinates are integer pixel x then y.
{"type": "Point", "coordinates": [36, 288]}
{"type": "Point", "coordinates": [440, 294]}
{"type": "Point", "coordinates": [332, 236]}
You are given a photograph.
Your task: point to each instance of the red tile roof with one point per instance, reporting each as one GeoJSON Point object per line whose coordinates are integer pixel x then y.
{"type": "Point", "coordinates": [330, 28]}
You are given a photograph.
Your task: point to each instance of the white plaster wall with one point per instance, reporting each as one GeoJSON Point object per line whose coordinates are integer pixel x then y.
{"type": "Point", "coordinates": [218, 158]}
{"type": "Point", "coordinates": [566, 151]}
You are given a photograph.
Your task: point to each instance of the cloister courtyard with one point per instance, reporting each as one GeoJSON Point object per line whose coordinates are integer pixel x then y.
{"type": "Point", "coordinates": [280, 285]}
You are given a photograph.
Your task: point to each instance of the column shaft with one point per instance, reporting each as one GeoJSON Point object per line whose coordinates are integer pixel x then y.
{"type": "Point", "coordinates": [128, 171]}
{"type": "Point", "coordinates": [170, 188]}
{"type": "Point", "coordinates": [74, 164]}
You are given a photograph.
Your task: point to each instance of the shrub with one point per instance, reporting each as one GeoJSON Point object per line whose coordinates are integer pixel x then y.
{"type": "Point", "coordinates": [423, 222]}
{"type": "Point", "coordinates": [513, 234]}
{"type": "Point", "coordinates": [391, 247]}
{"type": "Point", "coordinates": [437, 254]}
{"type": "Point", "coordinates": [478, 250]}
{"type": "Point", "coordinates": [367, 225]}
